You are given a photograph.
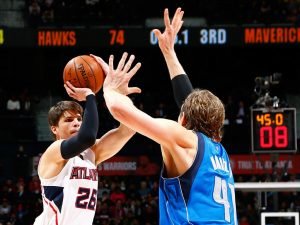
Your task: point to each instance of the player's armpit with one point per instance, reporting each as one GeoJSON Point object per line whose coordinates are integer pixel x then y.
{"type": "Point", "coordinates": [112, 142]}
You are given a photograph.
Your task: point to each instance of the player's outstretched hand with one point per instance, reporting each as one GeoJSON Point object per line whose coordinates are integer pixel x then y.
{"type": "Point", "coordinates": [102, 63]}
{"type": "Point", "coordinates": [166, 40]}
{"type": "Point", "coordinates": [78, 94]}
{"type": "Point", "coordinates": [118, 79]}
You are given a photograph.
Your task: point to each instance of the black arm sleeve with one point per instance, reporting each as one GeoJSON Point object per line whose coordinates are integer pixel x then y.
{"type": "Point", "coordinates": [182, 87]}
{"type": "Point", "coordinates": [87, 134]}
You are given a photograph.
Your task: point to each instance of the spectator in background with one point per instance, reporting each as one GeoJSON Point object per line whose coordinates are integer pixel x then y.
{"type": "Point", "coordinates": [22, 162]}
{"type": "Point", "coordinates": [25, 102]}
{"type": "Point", "coordinates": [117, 211]}
{"type": "Point", "coordinates": [241, 110]}
{"type": "Point", "coordinates": [93, 8]}
{"type": "Point", "coordinates": [241, 113]}
{"type": "Point", "coordinates": [5, 210]}
{"type": "Point", "coordinates": [22, 199]}
{"type": "Point", "coordinates": [34, 185]}
{"type": "Point", "coordinates": [34, 11]}
{"type": "Point", "coordinates": [266, 11]}
{"type": "Point", "coordinates": [48, 12]}
{"type": "Point", "coordinates": [160, 111]}
{"type": "Point", "coordinates": [102, 189]}
{"type": "Point", "coordinates": [13, 104]}
{"type": "Point", "coordinates": [35, 163]}
{"type": "Point", "coordinates": [48, 16]}
{"type": "Point", "coordinates": [144, 190]}
{"type": "Point", "coordinates": [103, 213]}
{"type": "Point", "coordinates": [116, 194]}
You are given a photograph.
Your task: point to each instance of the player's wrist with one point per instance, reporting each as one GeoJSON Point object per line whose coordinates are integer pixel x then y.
{"type": "Point", "coordinates": [88, 93]}
{"type": "Point", "coordinates": [169, 52]}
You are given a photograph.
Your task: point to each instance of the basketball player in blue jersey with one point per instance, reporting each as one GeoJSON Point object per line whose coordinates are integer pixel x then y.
{"type": "Point", "coordinates": [68, 167]}
{"type": "Point", "coordinates": [196, 184]}
{"type": "Point", "coordinates": [182, 87]}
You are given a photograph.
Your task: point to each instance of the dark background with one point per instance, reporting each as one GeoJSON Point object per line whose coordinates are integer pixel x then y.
{"type": "Point", "coordinates": [220, 69]}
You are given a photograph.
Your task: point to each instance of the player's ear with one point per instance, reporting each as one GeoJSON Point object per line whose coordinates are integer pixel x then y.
{"type": "Point", "coordinates": [182, 119]}
{"type": "Point", "coordinates": [54, 129]}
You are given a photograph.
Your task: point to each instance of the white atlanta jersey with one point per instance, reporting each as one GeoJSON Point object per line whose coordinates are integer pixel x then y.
{"type": "Point", "coordinates": [71, 196]}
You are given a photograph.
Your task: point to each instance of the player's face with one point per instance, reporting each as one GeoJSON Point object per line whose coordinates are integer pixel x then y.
{"type": "Point", "coordinates": [68, 125]}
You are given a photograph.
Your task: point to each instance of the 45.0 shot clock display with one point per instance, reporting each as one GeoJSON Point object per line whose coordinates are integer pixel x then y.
{"type": "Point", "coordinates": [273, 130]}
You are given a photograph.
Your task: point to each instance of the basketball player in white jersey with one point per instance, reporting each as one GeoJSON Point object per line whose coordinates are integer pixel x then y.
{"type": "Point", "coordinates": [68, 167]}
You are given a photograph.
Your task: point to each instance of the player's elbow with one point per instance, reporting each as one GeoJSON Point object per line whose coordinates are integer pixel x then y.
{"type": "Point", "coordinates": [125, 131]}
{"type": "Point", "coordinates": [119, 107]}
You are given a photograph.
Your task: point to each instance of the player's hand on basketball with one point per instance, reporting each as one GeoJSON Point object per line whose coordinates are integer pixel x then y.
{"type": "Point", "coordinates": [102, 63]}
{"type": "Point", "coordinates": [77, 93]}
{"type": "Point", "coordinates": [166, 40]}
{"type": "Point", "coordinates": [118, 79]}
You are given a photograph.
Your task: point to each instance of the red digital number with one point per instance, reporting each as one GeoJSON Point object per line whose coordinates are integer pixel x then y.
{"type": "Point", "coordinates": [281, 137]}
{"type": "Point", "coordinates": [277, 137]}
{"type": "Point", "coordinates": [266, 137]}
{"type": "Point", "coordinates": [117, 37]}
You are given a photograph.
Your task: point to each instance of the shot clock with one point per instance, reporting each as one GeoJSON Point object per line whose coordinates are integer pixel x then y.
{"type": "Point", "coordinates": [273, 130]}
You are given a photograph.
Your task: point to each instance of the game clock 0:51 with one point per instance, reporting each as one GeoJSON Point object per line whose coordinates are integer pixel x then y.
{"type": "Point", "coordinates": [273, 130]}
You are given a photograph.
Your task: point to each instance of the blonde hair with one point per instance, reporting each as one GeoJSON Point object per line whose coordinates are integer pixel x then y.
{"type": "Point", "coordinates": [204, 112]}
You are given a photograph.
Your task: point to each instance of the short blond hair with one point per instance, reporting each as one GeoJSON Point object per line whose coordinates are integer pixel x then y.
{"type": "Point", "coordinates": [204, 112]}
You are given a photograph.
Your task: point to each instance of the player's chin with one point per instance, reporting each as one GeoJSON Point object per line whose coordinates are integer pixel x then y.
{"type": "Point", "coordinates": [73, 133]}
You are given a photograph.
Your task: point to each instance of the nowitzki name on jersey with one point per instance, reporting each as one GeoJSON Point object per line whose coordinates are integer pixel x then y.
{"type": "Point", "coordinates": [219, 163]}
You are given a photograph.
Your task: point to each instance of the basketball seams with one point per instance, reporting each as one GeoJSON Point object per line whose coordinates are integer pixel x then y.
{"type": "Point", "coordinates": [92, 71]}
{"type": "Point", "coordinates": [102, 77]}
{"type": "Point", "coordinates": [78, 78]}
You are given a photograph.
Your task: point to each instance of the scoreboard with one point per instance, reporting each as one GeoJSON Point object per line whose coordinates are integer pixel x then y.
{"type": "Point", "coordinates": [144, 37]}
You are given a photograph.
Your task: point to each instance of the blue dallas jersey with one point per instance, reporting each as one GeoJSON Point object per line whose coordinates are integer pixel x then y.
{"type": "Point", "coordinates": [204, 194]}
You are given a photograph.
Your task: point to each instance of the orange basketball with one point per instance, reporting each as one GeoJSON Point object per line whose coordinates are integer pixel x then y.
{"type": "Point", "coordinates": [83, 71]}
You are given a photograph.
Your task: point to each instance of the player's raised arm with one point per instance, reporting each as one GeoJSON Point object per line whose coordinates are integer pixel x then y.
{"type": "Point", "coordinates": [113, 141]}
{"type": "Point", "coordinates": [181, 84]}
{"type": "Point", "coordinates": [67, 114]}
{"type": "Point", "coordinates": [167, 133]}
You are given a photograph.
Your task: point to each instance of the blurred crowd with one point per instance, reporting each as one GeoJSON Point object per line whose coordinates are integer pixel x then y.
{"type": "Point", "coordinates": [133, 200]}
{"type": "Point", "coordinates": [121, 200]}
{"type": "Point", "coordinates": [121, 12]}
